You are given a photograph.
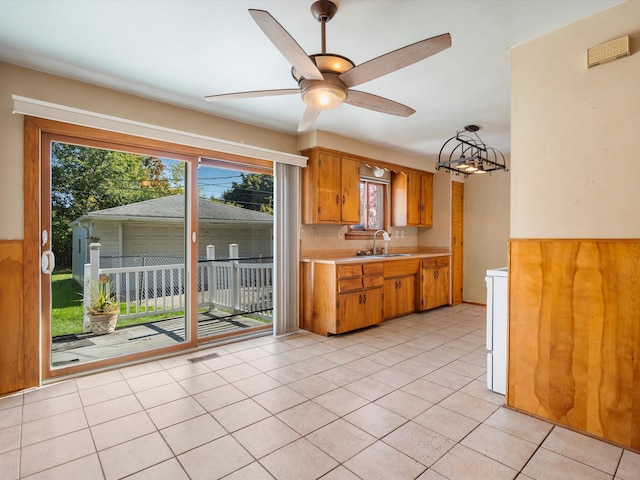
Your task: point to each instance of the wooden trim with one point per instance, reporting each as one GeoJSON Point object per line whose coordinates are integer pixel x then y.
{"type": "Point", "coordinates": [15, 369]}
{"type": "Point", "coordinates": [31, 258]}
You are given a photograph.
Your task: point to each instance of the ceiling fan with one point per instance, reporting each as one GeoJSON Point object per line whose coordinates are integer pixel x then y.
{"type": "Point", "coordinates": [325, 79]}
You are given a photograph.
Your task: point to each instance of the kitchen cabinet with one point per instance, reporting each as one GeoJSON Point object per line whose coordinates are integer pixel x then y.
{"type": "Point", "coordinates": [342, 297]}
{"type": "Point", "coordinates": [412, 199]}
{"type": "Point", "coordinates": [330, 188]}
{"type": "Point", "coordinates": [435, 282]}
{"type": "Point", "coordinates": [400, 287]}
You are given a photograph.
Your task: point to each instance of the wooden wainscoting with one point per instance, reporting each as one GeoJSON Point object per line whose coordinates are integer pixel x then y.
{"type": "Point", "coordinates": [19, 352]}
{"type": "Point", "coordinates": [574, 334]}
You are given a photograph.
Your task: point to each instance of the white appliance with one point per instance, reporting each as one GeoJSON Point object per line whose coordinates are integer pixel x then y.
{"type": "Point", "coordinates": [497, 324]}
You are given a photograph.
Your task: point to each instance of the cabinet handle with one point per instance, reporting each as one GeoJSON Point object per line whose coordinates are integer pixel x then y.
{"type": "Point", "coordinates": [344, 199]}
{"type": "Point", "coordinates": [337, 199]}
{"type": "Point", "coordinates": [365, 298]}
{"type": "Point", "coordinates": [360, 299]}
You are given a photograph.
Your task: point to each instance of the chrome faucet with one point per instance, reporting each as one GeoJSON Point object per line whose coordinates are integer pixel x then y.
{"type": "Point", "coordinates": [385, 237]}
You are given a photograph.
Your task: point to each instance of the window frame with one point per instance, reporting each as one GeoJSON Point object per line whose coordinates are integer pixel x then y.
{"type": "Point", "coordinates": [353, 234]}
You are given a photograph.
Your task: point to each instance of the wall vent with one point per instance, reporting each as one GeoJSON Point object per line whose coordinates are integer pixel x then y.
{"type": "Point", "coordinates": [608, 51]}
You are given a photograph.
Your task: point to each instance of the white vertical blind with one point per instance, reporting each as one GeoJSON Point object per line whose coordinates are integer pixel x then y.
{"type": "Point", "coordinates": [286, 248]}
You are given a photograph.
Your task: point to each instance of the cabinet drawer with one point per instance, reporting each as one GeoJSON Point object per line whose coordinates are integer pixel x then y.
{"type": "Point", "coordinates": [400, 268]}
{"type": "Point", "coordinates": [375, 268]}
{"type": "Point", "coordinates": [350, 284]}
{"type": "Point", "coordinates": [434, 262]}
{"type": "Point", "coordinates": [374, 281]}
{"type": "Point", "coordinates": [349, 270]}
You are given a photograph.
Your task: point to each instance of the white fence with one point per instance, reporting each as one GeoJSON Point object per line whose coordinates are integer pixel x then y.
{"type": "Point", "coordinates": [232, 286]}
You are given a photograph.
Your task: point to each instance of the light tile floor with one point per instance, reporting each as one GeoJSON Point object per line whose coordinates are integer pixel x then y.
{"type": "Point", "coordinates": [403, 400]}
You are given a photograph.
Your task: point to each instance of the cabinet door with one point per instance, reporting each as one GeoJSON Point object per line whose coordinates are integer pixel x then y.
{"type": "Point", "coordinates": [435, 287]}
{"type": "Point", "coordinates": [350, 311]}
{"type": "Point", "coordinates": [390, 292]}
{"type": "Point", "coordinates": [350, 193]}
{"type": "Point", "coordinates": [373, 305]}
{"type": "Point", "coordinates": [426, 200]}
{"type": "Point", "coordinates": [414, 200]}
{"type": "Point", "coordinates": [399, 296]}
{"type": "Point", "coordinates": [429, 288]}
{"type": "Point", "coordinates": [328, 187]}
{"type": "Point", "coordinates": [442, 287]}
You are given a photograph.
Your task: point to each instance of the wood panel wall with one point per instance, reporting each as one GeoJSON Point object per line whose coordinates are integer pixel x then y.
{"type": "Point", "coordinates": [19, 351]}
{"type": "Point", "coordinates": [574, 334]}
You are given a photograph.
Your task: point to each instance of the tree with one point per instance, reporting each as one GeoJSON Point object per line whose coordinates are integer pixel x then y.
{"type": "Point", "coordinates": [254, 192]}
{"type": "Point", "coordinates": [85, 179]}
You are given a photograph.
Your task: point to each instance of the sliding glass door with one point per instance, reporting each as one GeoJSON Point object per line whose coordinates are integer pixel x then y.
{"type": "Point", "coordinates": [115, 253]}
{"type": "Point", "coordinates": [235, 249]}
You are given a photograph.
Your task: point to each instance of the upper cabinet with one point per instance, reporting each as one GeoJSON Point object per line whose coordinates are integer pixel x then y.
{"type": "Point", "coordinates": [330, 188]}
{"type": "Point", "coordinates": [412, 199]}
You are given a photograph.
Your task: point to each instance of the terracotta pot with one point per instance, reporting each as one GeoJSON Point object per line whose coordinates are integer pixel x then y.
{"type": "Point", "coordinates": [103, 323]}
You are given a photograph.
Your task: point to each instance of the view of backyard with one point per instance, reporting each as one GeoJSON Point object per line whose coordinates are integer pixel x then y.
{"type": "Point", "coordinates": [131, 209]}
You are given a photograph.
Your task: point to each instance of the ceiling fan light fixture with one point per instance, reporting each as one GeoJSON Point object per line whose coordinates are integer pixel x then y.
{"type": "Point", "coordinates": [324, 96]}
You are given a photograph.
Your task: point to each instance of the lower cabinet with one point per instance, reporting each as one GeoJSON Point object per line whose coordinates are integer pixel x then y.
{"type": "Point", "coordinates": [359, 309]}
{"type": "Point", "coordinates": [343, 297]}
{"type": "Point", "coordinates": [400, 296]}
{"type": "Point", "coordinates": [435, 282]}
{"type": "Point", "coordinates": [340, 297]}
{"type": "Point", "coordinates": [400, 287]}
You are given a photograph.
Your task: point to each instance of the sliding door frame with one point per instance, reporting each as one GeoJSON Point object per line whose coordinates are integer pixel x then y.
{"type": "Point", "coordinates": [37, 135]}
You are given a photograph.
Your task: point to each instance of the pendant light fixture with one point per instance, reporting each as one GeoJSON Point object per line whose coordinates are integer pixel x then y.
{"type": "Point", "coordinates": [466, 154]}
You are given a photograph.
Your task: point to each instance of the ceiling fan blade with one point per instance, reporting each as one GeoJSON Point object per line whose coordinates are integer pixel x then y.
{"type": "Point", "coordinates": [252, 94]}
{"type": "Point", "coordinates": [395, 60]}
{"type": "Point", "coordinates": [308, 117]}
{"type": "Point", "coordinates": [286, 44]}
{"type": "Point", "coordinates": [379, 104]}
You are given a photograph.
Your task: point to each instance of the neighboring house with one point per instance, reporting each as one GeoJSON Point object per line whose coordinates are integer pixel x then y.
{"type": "Point", "coordinates": [155, 228]}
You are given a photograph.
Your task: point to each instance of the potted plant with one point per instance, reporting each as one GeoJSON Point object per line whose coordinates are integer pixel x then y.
{"type": "Point", "coordinates": [103, 307]}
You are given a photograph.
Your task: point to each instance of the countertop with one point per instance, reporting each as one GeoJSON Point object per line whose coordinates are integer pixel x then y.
{"type": "Point", "coordinates": [372, 258]}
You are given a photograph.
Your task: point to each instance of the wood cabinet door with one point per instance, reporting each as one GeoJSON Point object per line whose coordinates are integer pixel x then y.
{"type": "Point", "coordinates": [373, 306]}
{"type": "Point", "coordinates": [350, 311]}
{"type": "Point", "coordinates": [350, 191]}
{"type": "Point", "coordinates": [457, 236]}
{"type": "Point", "coordinates": [442, 287]}
{"type": "Point", "coordinates": [327, 183]}
{"type": "Point", "coordinates": [426, 200]}
{"type": "Point", "coordinates": [429, 288]}
{"type": "Point", "coordinates": [399, 296]}
{"type": "Point", "coordinates": [390, 293]}
{"type": "Point", "coordinates": [413, 198]}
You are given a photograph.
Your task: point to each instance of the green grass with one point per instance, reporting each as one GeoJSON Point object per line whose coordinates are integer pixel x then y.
{"type": "Point", "coordinates": [66, 305]}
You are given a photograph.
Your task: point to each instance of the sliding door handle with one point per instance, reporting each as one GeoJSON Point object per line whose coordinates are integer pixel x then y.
{"type": "Point", "coordinates": [47, 262]}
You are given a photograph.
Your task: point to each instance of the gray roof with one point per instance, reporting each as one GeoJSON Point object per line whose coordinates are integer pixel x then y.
{"type": "Point", "coordinates": [172, 208]}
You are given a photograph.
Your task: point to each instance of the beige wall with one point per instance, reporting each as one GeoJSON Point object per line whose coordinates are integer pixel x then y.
{"type": "Point", "coordinates": [574, 158]}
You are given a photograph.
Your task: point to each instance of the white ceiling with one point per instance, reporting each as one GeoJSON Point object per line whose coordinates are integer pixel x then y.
{"type": "Point", "coordinates": [178, 51]}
